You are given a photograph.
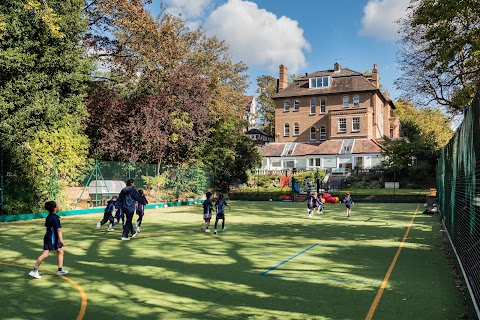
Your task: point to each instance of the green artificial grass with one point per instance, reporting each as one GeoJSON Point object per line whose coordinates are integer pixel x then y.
{"type": "Point", "coordinates": [272, 262]}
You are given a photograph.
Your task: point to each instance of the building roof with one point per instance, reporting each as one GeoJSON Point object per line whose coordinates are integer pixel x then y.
{"type": "Point", "coordinates": [344, 80]}
{"type": "Point", "coordinates": [257, 131]}
{"type": "Point", "coordinates": [329, 147]}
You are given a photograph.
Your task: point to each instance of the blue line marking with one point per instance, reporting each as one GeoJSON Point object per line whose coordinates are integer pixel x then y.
{"type": "Point", "coordinates": [264, 273]}
{"type": "Point", "coordinates": [328, 279]}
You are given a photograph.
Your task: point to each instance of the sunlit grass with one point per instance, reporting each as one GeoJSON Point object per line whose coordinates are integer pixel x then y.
{"type": "Point", "coordinates": [257, 269]}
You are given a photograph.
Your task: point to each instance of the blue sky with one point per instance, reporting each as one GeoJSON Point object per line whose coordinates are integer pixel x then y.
{"type": "Point", "coordinates": [305, 36]}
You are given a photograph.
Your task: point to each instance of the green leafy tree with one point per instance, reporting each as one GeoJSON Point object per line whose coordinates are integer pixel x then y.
{"type": "Point", "coordinates": [425, 132]}
{"type": "Point", "coordinates": [44, 75]}
{"type": "Point", "coordinates": [440, 53]}
{"type": "Point", "coordinates": [229, 154]}
{"type": "Point", "coordinates": [267, 88]}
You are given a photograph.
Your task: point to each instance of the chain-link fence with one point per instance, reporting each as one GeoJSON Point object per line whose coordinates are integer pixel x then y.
{"type": "Point", "coordinates": [99, 181]}
{"type": "Point", "coordinates": [458, 185]}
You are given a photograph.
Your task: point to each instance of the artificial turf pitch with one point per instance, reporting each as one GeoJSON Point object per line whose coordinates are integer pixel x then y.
{"type": "Point", "coordinates": [272, 262]}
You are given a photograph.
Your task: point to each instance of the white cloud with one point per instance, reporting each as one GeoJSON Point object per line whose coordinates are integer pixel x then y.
{"type": "Point", "coordinates": [380, 18]}
{"type": "Point", "coordinates": [189, 9]}
{"type": "Point", "coordinates": [258, 37]}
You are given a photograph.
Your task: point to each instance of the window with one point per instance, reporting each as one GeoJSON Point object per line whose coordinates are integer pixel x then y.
{"type": "Point", "coordinates": [346, 101]}
{"type": "Point", "coordinates": [356, 101]}
{"type": "Point", "coordinates": [313, 134]}
{"type": "Point", "coordinates": [314, 162]}
{"type": "Point", "coordinates": [342, 125]}
{"type": "Point", "coordinates": [319, 82]}
{"type": "Point", "coordinates": [286, 106]}
{"type": "Point", "coordinates": [296, 105]}
{"type": "Point", "coordinates": [313, 103]}
{"type": "Point", "coordinates": [286, 130]}
{"type": "Point", "coordinates": [392, 113]}
{"type": "Point", "coordinates": [391, 131]}
{"type": "Point", "coordinates": [296, 129]}
{"type": "Point", "coordinates": [355, 124]}
{"type": "Point", "coordinates": [323, 133]}
{"type": "Point", "coordinates": [323, 105]}
{"type": "Point", "coordinates": [289, 164]}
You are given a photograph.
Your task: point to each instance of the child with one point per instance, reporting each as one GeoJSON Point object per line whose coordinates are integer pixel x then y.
{"type": "Point", "coordinates": [348, 203]}
{"type": "Point", "coordinates": [108, 214]}
{"type": "Point", "coordinates": [318, 203]}
{"type": "Point", "coordinates": [207, 212]}
{"type": "Point", "coordinates": [140, 210]}
{"type": "Point", "coordinates": [118, 215]}
{"type": "Point", "coordinates": [220, 204]}
{"type": "Point", "coordinates": [53, 240]}
{"type": "Point", "coordinates": [309, 201]}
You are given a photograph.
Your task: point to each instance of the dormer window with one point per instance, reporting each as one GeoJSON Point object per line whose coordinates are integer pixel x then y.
{"type": "Point", "coordinates": [319, 82]}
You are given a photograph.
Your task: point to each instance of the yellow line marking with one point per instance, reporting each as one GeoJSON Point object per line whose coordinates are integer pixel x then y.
{"type": "Point", "coordinates": [389, 272]}
{"type": "Point", "coordinates": [83, 305]}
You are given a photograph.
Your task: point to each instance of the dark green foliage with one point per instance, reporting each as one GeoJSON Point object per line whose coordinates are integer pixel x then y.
{"type": "Point", "coordinates": [43, 76]}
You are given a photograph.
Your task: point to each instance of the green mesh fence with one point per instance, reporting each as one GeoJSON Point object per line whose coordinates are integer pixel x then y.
{"type": "Point", "coordinates": [458, 192]}
{"type": "Point", "coordinates": [98, 182]}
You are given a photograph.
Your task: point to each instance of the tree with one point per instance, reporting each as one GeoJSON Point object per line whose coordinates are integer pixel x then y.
{"type": "Point", "coordinates": [165, 125]}
{"type": "Point", "coordinates": [440, 53]}
{"type": "Point", "coordinates": [44, 73]}
{"type": "Point", "coordinates": [146, 58]}
{"type": "Point", "coordinates": [425, 131]}
{"type": "Point", "coordinates": [267, 88]}
{"type": "Point", "coordinates": [229, 154]}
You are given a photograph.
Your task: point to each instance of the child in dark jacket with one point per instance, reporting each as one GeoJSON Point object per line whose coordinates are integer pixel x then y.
{"type": "Point", "coordinates": [108, 214]}
{"type": "Point", "coordinates": [140, 210]}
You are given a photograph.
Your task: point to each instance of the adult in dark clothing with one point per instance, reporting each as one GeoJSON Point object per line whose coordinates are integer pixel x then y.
{"type": "Point", "coordinates": [127, 201]}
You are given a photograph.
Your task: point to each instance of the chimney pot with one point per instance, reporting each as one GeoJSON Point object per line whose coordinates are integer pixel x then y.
{"type": "Point", "coordinates": [283, 80]}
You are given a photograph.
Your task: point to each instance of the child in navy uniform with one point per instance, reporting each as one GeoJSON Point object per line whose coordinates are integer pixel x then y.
{"type": "Point", "coordinates": [207, 212]}
{"type": "Point", "coordinates": [127, 201]}
{"type": "Point", "coordinates": [348, 203]}
{"type": "Point", "coordinates": [118, 215]}
{"type": "Point", "coordinates": [108, 214]}
{"type": "Point", "coordinates": [309, 201]}
{"type": "Point", "coordinates": [140, 210]}
{"type": "Point", "coordinates": [317, 203]}
{"type": "Point", "coordinates": [220, 206]}
{"type": "Point", "coordinates": [53, 240]}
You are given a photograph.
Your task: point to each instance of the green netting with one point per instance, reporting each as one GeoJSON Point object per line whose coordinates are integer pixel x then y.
{"type": "Point", "coordinates": [98, 182]}
{"type": "Point", "coordinates": [458, 191]}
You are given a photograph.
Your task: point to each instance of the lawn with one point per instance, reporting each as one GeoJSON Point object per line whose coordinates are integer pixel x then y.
{"type": "Point", "coordinates": [272, 262]}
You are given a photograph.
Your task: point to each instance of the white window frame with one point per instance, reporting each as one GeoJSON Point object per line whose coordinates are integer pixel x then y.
{"type": "Point", "coordinates": [392, 128]}
{"type": "Point", "coordinates": [286, 106]}
{"type": "Point", "coordinates": [296, 129]}
{"type": "Point", "coordinates": [296, 105]}
{"type": "Point", "coordinates": [342, 125]}
{"type": "Point", "coordinates": [323, 133]}
{"type": "Point", "coordinates": [323, 105]}
{"type": "Point", "coordinates": [286, 130]}
{"type": "Point", "coordinates": [319, 82]}
{"type": "Point", "coordinates": [313, 133]}
{"type": "Point", "coordinates": [355, 120]}
{"type": "Point", "coordinates": [345, 101]}
{"type": "Point", "coordinates": [356, 101]}
{"type": "Point", "coordinates": [314, 106]}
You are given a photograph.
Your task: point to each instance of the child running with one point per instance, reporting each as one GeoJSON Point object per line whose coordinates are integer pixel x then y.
{"type": "Point", "coordinates": [318, 203]}
{"type": "Point", "coordinates": [348, 203]}
{"type": "Point", "coordinates": [309, 201]}
{"type": "Point", "coordinates": [207, 212]}
{"type": "Point", "coordinates": [108, 214]}
{"type": "Point", "coordinates": [140, 210]}
{"type": "Point", "coordinates": [53, 240]}
{"type": "Point", "coordinates": [220, 206]}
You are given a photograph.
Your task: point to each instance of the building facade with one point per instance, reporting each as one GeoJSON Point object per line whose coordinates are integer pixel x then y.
{"type": "Point", "coordinates": [333, 119]}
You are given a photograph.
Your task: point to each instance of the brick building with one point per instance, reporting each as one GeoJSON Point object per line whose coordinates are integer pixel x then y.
{"type": "Point", "coordinates": [332, 119]}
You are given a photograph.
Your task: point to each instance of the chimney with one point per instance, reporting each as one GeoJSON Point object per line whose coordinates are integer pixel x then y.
{"type": "Point", "coordinates": [375, 78]}
{"type": "Point", "coordinates": [337, 66]}
{"type": "Point", "coordinates": [283, 81]}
